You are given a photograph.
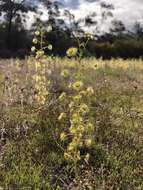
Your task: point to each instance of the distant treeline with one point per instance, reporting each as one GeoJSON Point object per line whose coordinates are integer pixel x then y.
{"type": "Point", "coordinates": [107, 46]}
{"type": "Point", "coordinates": [16, 41]}
{"type": "Point", "coordinates": [123, 46]}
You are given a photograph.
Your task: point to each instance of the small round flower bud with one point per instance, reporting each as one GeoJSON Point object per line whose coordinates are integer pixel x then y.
{"type": "Point", "coordinates": [35, 41]}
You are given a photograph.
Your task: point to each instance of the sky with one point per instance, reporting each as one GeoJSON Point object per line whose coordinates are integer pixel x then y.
{"type": "Point", "coordinates": [128, 11]}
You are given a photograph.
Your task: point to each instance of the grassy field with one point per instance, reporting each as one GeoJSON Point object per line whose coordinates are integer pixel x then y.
{"type": "Point", "coordinates": [71, 124]}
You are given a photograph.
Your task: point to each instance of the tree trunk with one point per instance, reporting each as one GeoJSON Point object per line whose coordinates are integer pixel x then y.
{"type": "Point", "coordinates": [9, 32]}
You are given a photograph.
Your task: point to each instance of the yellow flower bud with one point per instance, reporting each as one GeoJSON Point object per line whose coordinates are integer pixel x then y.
{"type": "Point", "coordinates": [37, 33]}
{"type": "Point", "coordinates": [87, 156]}
{"type": "Point", "coordinates": [39, 53]}
{"type": "Point", "coordinates": [33, 49]}
{"type": "Point", "coordinates": [83, 108]}
{"type": "Point", "coordinates": [62, 136]}
{"type": "Point", "coordinates": [35, 41]}
{"type": "Point", "coordinates": [50, 47]}
{"type": "Point", "coordinates": [71, 105]}
{"type": "Point", "coordinates": [78, 156]}
{"type": "Point", "coordinates": [71, 147]}
{"type": "Point", "coordinates": [49, 29]}
{"type": "Point", "coordinates": [62, 116]}
{"type": "Point", "coordinates": [90, 91]}
{"type": "Point", "coordinates": [71, 52]}
{"type": "Point", "coordinates": [88, 142]}
{"type": "Point", "coordinates": [76, 118]}
{"type": "Point", "coordinates": [65, 73]}
{"type": "Point", "coordinates": [77, 85]}
{"type": "Point", "coordinates": [67, 156]}
{"type": "Point", "coordinates": [77, 98]}
{"type": "Point", "coordinates": [62, 96]}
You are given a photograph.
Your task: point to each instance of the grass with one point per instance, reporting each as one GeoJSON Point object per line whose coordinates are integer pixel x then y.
{"type": "Point", "coordinates": [31, 151]}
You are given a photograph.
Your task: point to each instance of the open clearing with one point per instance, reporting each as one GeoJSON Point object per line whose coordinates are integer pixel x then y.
{"type": "Point", "coordinates": [32, 153]}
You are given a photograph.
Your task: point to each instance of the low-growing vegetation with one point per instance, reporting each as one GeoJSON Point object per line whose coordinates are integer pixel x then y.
{"type": "Point", "coordinates": [71, 124]}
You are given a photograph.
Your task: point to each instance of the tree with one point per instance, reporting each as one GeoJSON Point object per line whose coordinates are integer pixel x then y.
{"type": "Point", "coordinates": [92, 21]}
{"type": "Point", "coordinates": [14, 10]}
{"type": "Point", "coordinates": [117, 27]}
{"type": "Point", "coordinates": [138, 28]}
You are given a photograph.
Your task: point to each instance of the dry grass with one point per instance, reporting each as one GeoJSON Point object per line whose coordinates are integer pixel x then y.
{"type": "Point", "coordinates": [29, 146]}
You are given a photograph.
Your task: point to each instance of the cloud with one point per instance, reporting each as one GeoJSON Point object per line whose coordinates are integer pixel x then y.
{"type": "Point", "coordinates": [71, 4]}
{"type": "Point", "coordinates": [128, 11]}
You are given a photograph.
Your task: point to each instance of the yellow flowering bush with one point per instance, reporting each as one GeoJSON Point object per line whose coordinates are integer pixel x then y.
{"type": "Point", "coordinates": [79, 134]}
{"type": "Point", "coordinates": [41, 84]}
{"type": "Point", "coordinates": [76, 110]}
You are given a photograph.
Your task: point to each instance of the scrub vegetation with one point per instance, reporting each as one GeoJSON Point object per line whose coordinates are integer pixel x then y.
{"type": "Point", "coordinates": [70, 123]}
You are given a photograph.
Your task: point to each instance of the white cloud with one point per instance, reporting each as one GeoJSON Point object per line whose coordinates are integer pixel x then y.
{"type": "Point", "coordinates": [128, 11]}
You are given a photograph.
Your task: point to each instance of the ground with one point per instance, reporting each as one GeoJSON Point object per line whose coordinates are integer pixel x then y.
{"type": "Point", "coordinates": [32, 154]}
